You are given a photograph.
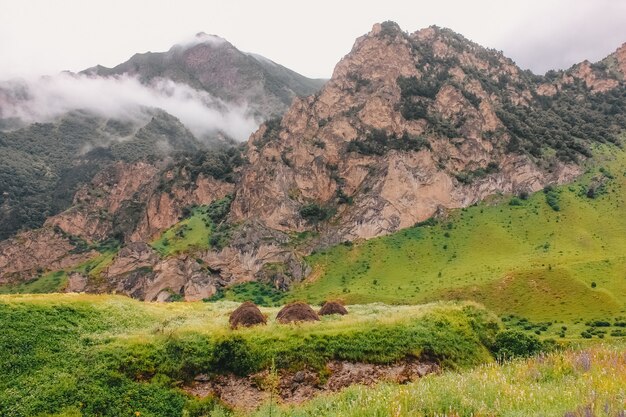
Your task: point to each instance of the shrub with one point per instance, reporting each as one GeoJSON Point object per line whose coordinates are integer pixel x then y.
{"type": "Point", "coordinates": [315, 213]}
{"type": "Point", "coordinates": [552, 198]}
{"type": "Point", "coordinates": [514, 343]}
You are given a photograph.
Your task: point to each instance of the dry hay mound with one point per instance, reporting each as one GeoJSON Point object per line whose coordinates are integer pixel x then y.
{"type": "Point", "coordinates": [247, 314]}
{"type": "Point", "coordinates": [332, 307]}
{"type": "Point", "coordinates": [296, 312]}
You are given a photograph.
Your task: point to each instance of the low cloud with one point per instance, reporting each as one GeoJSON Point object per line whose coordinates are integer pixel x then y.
{"type": "Point", "coordinates": [125, 98]}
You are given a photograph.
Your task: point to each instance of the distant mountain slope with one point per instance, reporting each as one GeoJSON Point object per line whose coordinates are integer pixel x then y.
{"type": "Point", "coordinates": [85, 122]}
{"type": "Point", "coordinates": [213, 64]}
{"type": "Point", "coordinates": [42, 165]}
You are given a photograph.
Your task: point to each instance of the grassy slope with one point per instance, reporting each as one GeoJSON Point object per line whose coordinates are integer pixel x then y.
{"type": "Point", "coordinates": [56, 281]}
{"type": "Point", "coordinates": [188, 234]}
{"type": "Point", "coordinates": [573, 383]}
{"type": "Point", "coordinates": [47, 283]}
{"type": "Point", "coordinates": [110, 355]}
{"type": "Point", "coordinates": [528, 260]}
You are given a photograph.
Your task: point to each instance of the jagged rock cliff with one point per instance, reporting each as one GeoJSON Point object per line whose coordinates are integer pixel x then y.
{"type": "Point", "coordinates": [409, 126]}
{"type": "Point", "coordinates": [383, 156]}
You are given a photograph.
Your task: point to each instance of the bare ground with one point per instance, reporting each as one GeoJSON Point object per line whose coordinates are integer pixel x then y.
{"type": "Point", "coordinates": [248, 393]}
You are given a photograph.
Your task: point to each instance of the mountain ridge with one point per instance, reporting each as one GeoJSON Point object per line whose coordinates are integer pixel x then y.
{"type": "Point", "coordinates": [214, 65]}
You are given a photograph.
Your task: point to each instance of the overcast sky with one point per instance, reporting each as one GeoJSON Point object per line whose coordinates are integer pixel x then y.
{"type": "Point", "coordinates": [46, 36]}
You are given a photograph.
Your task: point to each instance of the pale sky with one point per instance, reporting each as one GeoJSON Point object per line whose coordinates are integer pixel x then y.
{"type": "Point", "coordinates": [48, 36]}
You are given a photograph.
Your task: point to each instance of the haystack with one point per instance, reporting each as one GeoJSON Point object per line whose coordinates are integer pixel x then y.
{"type": "Point", "coordinates": [332, 307]}
{"type": "Point", "coordinates": [295, 312]}
{"type": "Point", "coordinates": [247, 314]}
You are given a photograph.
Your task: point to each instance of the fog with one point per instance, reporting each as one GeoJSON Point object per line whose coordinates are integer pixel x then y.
{"type": "Point", "coordinates": [123, 97]}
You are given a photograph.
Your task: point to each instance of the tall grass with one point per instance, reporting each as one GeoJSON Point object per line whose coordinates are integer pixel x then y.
{"type": "Point", "coordinates": [585, 383]}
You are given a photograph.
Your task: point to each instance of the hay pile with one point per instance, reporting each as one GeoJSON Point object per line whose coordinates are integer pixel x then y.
{"type": "Point", "coordinates": [332, 307]}
{"type": "Point", "coordinates": [296, 312]}
{"type": "Point", "coordinates": [246, 315]}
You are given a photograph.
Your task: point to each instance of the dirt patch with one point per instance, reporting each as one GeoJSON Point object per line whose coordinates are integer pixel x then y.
{"type": "Point", "coordinates": [248, 393]}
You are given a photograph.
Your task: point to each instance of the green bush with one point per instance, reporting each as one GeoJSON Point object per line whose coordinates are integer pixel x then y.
{"type": "Point", "coordinates": [379, 142]}
{"type": "Point", "coordinates": [314, 213]}
{"type": "Point", "coordinates": [514, 343]}
{"type": "Point", "coordinates": [552, 198]}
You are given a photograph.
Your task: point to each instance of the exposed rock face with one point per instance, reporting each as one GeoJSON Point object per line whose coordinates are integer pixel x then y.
{"type": "Point", "coordinates": [127, 197]}
{"type": "Point", "coordinates": [138, 271]}
{"type": "Point", "coordinates": [29, 253]}
{"type": "Point", "coordinates": [252, 248]}
{"type": "Point", "coordinates": [164, 209]}
{"type": "Point", "coordinates": [308, 158]}
{"type": "Point", "coordinates": [133, 201]}
{"type": "Point", "coordinates": [594, 82]}
{"type": "Point", "coordinates": [95, 204]}
{"type": "Point", "coordinates": [246, 394]}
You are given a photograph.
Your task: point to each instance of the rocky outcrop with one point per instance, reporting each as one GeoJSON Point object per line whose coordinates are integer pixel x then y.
{"type": "Point", "coordinates": [31, 253]}
{"type": "Point", "coordinates": [258, 252]}
{"type": "Point", "coordinates": [139, 272]}
{"type": "Point", "coordinates": [595, 81]}
{"type": "Point", "coordinates": [95, 204]}
{"type": "Point", "coordinates": [129, 200]}
{"type": "Point", "coordinates": [162, 210]}
{"type": "Point", "coordinates": [308, 159]}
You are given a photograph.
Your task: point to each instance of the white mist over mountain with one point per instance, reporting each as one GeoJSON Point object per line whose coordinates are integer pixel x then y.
{"type": "Point", "coordinates": [122, 97]}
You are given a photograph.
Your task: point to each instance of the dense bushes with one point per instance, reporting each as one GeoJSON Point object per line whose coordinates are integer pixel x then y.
{"type": "Point", "coordinates": [314, 213]}
{"type": "Point", "coordinates": [378, 142]}
{"type": "Point", "coordinates": [259, 293]}
{"type": "Point", "coordinates": [514, 343]}
{"type": "Point", "coordinates": [552, 198]}
{"type": "Point", "coordinates": [467, 177]}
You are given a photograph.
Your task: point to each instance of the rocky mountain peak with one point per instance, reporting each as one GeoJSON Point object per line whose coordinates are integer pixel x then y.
{"type": "Point", "coordinates": [408, 124]}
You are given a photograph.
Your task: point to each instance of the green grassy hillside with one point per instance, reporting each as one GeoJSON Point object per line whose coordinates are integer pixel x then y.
{"type": "Point", "coordinates": [113, 356]}
{"type": "Point", "coordinates": [189, 234]}
{"type": "Point", "coordinates": [515, 255]}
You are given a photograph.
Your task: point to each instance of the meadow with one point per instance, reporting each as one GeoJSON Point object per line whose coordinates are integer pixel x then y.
{"type": "Point", "coordinates": [78, 354]}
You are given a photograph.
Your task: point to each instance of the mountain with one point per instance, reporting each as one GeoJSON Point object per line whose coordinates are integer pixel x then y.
{"type": "Point", "coordinates": [409, 127]}
{"type": "Point", "coordinates": [56, 133]}
{"type": "Point", "coordinates": [411, 124]}
{"type": "Point", "coordinates": [43, 164]}
{"type": "Point", "coordinates": [212, 64]}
